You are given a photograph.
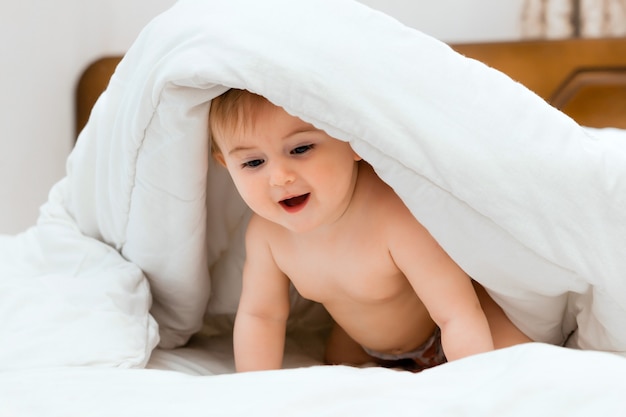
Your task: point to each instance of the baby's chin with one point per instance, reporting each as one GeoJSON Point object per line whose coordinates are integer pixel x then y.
{"type": "Point", "coordinates": [296, 227]}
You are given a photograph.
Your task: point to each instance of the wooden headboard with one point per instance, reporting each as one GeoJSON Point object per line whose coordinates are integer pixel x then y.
{"type": "Point", "coordinates": [585, 78]}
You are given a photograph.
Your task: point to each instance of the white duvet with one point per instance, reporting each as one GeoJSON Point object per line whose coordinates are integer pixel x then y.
{"type": "Point", "coordinates": [140, 243]}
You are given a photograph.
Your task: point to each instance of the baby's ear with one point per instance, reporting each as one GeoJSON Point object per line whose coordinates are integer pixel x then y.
{"type": "Point", "coordinates": [357, 158]}
{"type": "Point", "coordinates": [220, 158]}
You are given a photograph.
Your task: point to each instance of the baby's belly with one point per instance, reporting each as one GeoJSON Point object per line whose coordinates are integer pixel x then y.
{"type": "Point", "coordinates": [394, 327]}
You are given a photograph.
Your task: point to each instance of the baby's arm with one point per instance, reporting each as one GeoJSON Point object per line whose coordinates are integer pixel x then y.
{"type": "Point", "coordinates": [259, 335]}
{"type": "Point", "coordinates": [444, 288]}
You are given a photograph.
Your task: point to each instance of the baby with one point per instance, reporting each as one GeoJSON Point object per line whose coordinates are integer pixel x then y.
{"type": "Point", "coordinates": [325, 222]}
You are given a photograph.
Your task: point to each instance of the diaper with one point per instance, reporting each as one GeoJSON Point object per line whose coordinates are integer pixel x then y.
{"type": "Point", "coordinates": [429, 354]}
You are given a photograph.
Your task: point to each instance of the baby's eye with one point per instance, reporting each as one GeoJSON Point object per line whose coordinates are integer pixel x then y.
{"type": "Point", "coordinates": [301, 149]}
{"type": "Point", "coordinates": [253, 163]}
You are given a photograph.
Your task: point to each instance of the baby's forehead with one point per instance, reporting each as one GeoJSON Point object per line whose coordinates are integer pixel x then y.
{"type": "Point", "coordinates": [269, 117]}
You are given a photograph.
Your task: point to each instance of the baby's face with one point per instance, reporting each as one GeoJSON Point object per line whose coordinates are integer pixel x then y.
{"type": "Point", "coordinates": [289, 172]}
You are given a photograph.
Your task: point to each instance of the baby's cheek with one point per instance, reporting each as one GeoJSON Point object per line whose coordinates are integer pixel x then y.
{"type": "Point", "coordinates": [242, 187]}
{"type": "Point", "coordinates": [253, 197]}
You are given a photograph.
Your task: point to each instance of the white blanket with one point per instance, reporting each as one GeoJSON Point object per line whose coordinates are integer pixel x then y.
{"type": "Point", "coordinates": [526, 201]}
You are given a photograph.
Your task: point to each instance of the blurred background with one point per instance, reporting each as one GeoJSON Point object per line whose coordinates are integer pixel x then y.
{"type": "Point", "coordinates": [47, 44]}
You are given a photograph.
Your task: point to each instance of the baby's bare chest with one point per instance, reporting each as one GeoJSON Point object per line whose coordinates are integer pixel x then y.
{"type": "Point", "coordinates": [359, 270]}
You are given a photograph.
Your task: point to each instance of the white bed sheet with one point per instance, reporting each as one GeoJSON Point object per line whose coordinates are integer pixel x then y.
{"type": "Point", "coordinates": [526, 380]}
{"type": "Point", "coordinates": [212, 354]}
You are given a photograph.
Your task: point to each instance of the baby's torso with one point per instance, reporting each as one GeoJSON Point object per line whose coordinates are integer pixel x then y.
{"type": "Point", "coordinates": [363, 291]}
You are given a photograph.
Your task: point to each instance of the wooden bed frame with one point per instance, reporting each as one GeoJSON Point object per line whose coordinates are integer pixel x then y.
{"type": "Point", "coordinates": [585, 78]}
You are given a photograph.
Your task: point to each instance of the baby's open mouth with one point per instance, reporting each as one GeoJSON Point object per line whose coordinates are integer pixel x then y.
{"type": "Point", "coordinates": [295, 201]}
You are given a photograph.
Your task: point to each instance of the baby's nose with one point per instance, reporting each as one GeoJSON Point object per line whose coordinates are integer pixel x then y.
{"type": "Point", "coordinates": [282, 175]}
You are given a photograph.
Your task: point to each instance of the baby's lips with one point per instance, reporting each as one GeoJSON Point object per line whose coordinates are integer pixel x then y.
{"type": "Point", "coordinates": [295, 201]}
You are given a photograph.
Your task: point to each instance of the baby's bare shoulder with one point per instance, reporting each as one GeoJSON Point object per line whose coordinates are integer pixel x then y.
{"type": "Point", "coordinates": [259, 229]}
{"type": "Point", "coordinates": [388, 212]}
{"type": "Point", "coordinates": [385, 202]}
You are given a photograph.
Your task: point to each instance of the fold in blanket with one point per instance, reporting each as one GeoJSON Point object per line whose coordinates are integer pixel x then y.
{"type": "Point", "coordinates": [530, 204]}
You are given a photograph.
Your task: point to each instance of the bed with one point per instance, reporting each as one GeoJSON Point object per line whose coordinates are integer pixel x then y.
{"type": "Point", "coordinates": [120, 300]}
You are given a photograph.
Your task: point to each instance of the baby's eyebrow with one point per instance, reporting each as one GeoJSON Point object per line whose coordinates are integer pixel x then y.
{"type": "Point", "coordinates": [239, 149]}
{"type": "Point", "coordinates": [303, 129]}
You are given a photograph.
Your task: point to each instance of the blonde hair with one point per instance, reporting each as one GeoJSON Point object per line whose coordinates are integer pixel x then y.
{"type": "Point", "coordinates": [230, 113]}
